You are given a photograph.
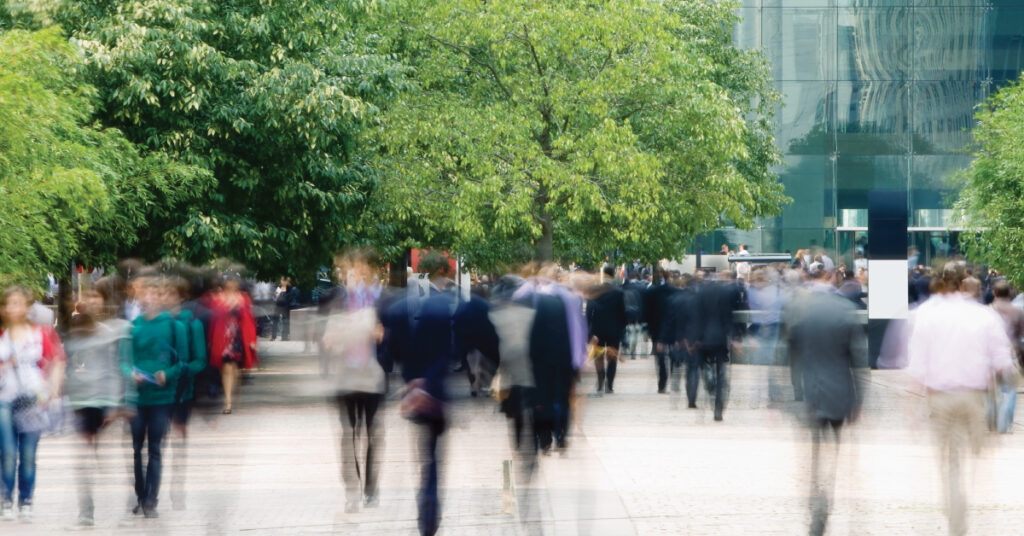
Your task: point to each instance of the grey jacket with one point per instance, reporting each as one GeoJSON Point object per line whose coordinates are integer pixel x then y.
{"type": "Point", "coordinates": [826, 345]}
{"type": "Point", "coordinates": [94, 378]}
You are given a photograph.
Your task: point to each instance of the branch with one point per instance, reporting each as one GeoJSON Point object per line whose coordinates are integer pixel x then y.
{"type": "Point", "coordinates": [469, 54]}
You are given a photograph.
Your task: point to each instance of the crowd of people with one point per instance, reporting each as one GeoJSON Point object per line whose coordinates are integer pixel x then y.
{"type": "Point", "coordinates": [134, 350]}
{"type": "Point", "coordinates": [140, 341]}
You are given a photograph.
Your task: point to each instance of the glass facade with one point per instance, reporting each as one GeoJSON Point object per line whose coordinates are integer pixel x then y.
{"type": "Point", "coordinates": [877, 94]}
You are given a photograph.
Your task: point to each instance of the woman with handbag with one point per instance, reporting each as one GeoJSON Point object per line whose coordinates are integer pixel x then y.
{"type": "Point", "coordinates": [31, 375]}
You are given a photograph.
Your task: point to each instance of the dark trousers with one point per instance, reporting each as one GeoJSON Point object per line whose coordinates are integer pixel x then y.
{"type": "Point", "coordinates": [358, 412]}
{"type": "Point", "coordinates": [601, 353]}
{"type": "Point", "coordinates": [664, 361]}
{"type": "Point", "coordinates": [694, 367]}
{"type": "Point", "coordinates": [282, 322]}
{"type": "Point", "coordinates": [552, 423]}
{"type": "Point", "coordinates": [796, 377]}
{"type": "Point", "coordinates": [824, 460]}
{"type": "Point", "coordinates": [717, 361]}
{"type": "Point", "coordinates": [428, 501]}
{"type": "Point", "coordinates": [149, 424]}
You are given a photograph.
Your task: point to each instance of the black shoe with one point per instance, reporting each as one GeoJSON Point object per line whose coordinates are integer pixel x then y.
{"type": "Point", "coordinates": [137, 510]}
{"type": "Point", "coordinates": [610, 391]}
{"type": "Point", "coordinates": [718, 417]}
{"type": "Point", "coordinates": [150, 512]}
{"type": "Point", "coordinates": [692, 406]}
{"type": "Point", "coordinates": [662, 392]}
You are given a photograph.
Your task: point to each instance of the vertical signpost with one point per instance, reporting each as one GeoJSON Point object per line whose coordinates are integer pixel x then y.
{"type": "Point", "coordinates": [887, 264]}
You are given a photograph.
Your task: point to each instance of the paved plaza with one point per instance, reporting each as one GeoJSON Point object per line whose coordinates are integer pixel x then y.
{"type": "Point", "coordinates": [638, 463]}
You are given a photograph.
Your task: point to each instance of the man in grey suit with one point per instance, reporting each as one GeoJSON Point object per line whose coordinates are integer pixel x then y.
{"type": "Point", "coordinates": [828, 348]}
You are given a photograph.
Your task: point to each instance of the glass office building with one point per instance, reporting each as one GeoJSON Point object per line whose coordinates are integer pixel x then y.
{"type": "Point", "coordinates": [877, 94]}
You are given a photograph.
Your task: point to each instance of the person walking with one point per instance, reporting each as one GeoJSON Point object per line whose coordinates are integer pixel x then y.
{"type": "Point", "coordinates": [822, 328]}
{"type": "Point", "coordinates": [658, 301]}
{"type": "Point", "coordinates": [94, 385]}
{"type": "Point", "coordinates": [286, 298]}
{"type": "Point", "coordinates": [1013, 320]}
{"type": "Point", "coordinates": [232, 336]}
{"type": "Point", "coordinates": [956, 346]}
{"type": "Point", "coordinates": [716, 303]}
{"type": "Point", "coordinates": [32, 363]}
{"type": "Point", "coordinates": [176, 293]}
{"type": "Point", "coordinates": [152, 362]}
{"type": "Point", "coordinates": [358, 375]}
{"type": "Point", "coordinates": [606, 317]}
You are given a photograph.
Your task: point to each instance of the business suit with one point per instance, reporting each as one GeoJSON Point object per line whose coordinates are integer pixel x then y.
{"type": "Point", "coordinates": [606, 319]}
{"type": "Point", "coordinates": [827, 343]}
{"type": "Point", "coordinates": [716, 303]}
{"type": "Point", "coordinates": [657, 314]}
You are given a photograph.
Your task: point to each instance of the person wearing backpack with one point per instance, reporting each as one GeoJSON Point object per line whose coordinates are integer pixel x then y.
{"type": "Point", "coordinates": [151, 360]}
{"type": "Point", "coordinates": [176, 290]}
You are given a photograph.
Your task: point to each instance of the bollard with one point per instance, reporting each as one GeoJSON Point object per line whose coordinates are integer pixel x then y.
{"type": "Point", "coordinates": [506, 488]}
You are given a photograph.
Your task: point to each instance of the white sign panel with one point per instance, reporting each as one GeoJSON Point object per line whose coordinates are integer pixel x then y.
{"type": "Point", "coordinates": [887, 289]}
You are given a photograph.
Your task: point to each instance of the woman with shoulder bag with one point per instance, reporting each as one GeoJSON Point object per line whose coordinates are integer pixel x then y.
{"type": "Point", "coordinates": [31, 375]}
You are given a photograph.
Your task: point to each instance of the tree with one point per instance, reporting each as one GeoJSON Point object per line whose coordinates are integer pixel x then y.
{"type": "Point", "coordinates": [268, 96]}
{"type": "Point", "coordinates": [565, 129]}
{"type": "Point", "coordinates": [991, 203]}
{"type": "Point", "coordinates": [69, 189]}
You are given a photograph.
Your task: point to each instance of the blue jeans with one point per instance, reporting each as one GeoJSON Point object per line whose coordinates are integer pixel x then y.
{"type": "Point", "coordinates": [1007, 403]}
{"type": "Point", "coordinates": [17, 458]}
{"type": "Point", "coordinates": [150, 423]}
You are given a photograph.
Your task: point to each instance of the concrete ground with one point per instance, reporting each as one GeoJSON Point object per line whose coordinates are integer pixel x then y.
{"type": "Point", "coordinates": [638, 463]}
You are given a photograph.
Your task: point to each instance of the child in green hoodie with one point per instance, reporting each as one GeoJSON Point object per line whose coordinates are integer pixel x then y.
{"type": "Point", "coordinates": [152, 361]}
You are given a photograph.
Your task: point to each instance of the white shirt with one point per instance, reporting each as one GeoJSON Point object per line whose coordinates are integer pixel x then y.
{"type": "Point", "coordinates": [957, 344]}
{"type": "Point", "coordinates": [29, 352]}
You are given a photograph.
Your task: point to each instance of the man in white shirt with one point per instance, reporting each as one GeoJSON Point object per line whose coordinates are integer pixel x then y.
{"type": "Point", "coordinates": [956, 346]}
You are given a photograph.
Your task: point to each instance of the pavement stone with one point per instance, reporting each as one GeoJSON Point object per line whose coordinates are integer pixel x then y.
{"type": "Point", "coordinates": [639, 463]}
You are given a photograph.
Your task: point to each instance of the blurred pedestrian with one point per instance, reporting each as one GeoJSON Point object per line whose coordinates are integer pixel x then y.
{"type": "Point", "coordinates": [232, 336]}
{"type": "Point", "coordinates": [177, 294]}
{"type": "Point", "coordinates": [1013, 320]}
{"type": "Point", "coordinates": [956, 346]}
{"type": "Point", "coordinates": [716, 303]}
{"type": "Point", "coordinates": [606, 317]}
{"type": "Point", "coordinates": [32, 364]}
{"type": "Point", "coordinates": [822, 329]}
{"type": "Point", "coordinates": [94, 385]}
{"type": "Point", "coordinates": [151, 360]}
{"type": "Point", "coordinates": [657, 304]}
{"type": "Point", "coordinates": [358, 375]}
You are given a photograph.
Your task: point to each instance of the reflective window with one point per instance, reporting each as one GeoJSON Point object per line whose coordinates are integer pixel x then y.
{"type": "Point", "coordinates": [800, 43]}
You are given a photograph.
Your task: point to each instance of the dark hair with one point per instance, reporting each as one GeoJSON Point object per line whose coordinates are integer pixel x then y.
{"type": "Point", "coordinates": [1001, 289]}
{"type": "Point", "coordinates": [608, 270]}
{"type": "Point", "coordinates": [435, 263]}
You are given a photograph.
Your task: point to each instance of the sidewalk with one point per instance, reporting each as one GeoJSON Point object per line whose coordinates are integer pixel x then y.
{"type": "Point", "coordinates": [639, 466]}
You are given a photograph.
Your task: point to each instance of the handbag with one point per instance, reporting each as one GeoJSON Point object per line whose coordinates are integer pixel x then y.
{"type": "Point", "coordinates": [29, 416]}
{"type": "Point", "coordinates": [418, 405]}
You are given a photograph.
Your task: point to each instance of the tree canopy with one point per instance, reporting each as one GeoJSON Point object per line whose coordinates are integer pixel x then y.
{"type": "Point", "coordinates": [566, 129]}
{"type": "Point", "coordinates": [268, 96]}
{"type": "Point", "coordinates": [991, 203]}
{"type": "Point", "coordinates": [69, 189]}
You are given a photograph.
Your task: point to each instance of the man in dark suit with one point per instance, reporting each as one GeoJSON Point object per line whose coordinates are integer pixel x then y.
{"type": "Point", "coordinates": [657, 304]}
{"type": "Point", "coordinates": [423, 340]}
{"type": "Point", "coordinates": [606, 318]}
{"type": "Point", "coordinates": [716, 303]}
{"type": "Point", "coordinates": [826, 343]}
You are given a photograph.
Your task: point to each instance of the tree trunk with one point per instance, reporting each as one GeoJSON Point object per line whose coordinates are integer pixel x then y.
{"type": "Point", "coordinates": [64, 303]}
{"type": "Point", "coordinates": [397, 270]}
{"type": "Point", "coordinates": [545, 248]}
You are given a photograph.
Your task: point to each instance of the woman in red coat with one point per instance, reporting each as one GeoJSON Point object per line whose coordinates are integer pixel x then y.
{"type": "Point", "coordinates": [232, 335]}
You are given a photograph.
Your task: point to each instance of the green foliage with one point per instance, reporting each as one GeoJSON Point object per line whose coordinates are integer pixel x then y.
{"type": "Point", "coordinates": [992, 199]}
{"type": "Point", "coordinates": [69, 190]}
{"type": "Point", "coordinates": [568, 129]}
{"type": "Point", "coordinates": [268, 96]}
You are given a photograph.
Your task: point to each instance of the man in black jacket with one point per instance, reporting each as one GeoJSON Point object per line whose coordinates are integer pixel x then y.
{"type": "Point", "coordinates": [657, 304]}
{"type": "Point", "coordinates": [716, 303]}
{"type": "Point", "coordinates": [606, 318]}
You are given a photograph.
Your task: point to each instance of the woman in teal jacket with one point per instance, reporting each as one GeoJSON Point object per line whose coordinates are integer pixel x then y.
{"type": "Point", "coordinates": [152, 360]}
